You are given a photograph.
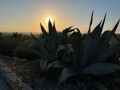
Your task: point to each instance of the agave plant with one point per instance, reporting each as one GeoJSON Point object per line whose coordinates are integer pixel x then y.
{"type": "Point", "coordinates": [47, 46]}
{"type": "Point", "coordinates": [87, 57]}
{"type": "Point", "coordinates": [77, 55]}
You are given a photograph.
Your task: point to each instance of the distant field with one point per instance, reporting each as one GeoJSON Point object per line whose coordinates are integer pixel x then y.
{"type": "Point", "coordinates": [24, 33]}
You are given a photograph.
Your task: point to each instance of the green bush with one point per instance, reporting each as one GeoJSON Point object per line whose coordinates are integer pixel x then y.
{"type": "Point", "coordinates": [8, 43]}
{"type": "Point", "coordinates": [17, 45]}
{"type": "Point", "coordinates": [24, 50]}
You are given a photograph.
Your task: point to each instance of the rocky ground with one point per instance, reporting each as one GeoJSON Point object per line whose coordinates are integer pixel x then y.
{"type": "Point", "coordinates": [29, 72]}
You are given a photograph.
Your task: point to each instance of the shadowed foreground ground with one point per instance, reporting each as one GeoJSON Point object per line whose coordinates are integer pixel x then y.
{"type": "Point", "coordinates": [3, 85]}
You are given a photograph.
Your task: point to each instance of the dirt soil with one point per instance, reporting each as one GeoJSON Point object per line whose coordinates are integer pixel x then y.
{"type": "Point", "coordinates": [29, 72]}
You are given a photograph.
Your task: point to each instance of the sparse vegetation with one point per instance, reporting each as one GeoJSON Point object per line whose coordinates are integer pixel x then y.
{"type": "Point", "coordinates": [24, 50]}
{"type": "Point", "coordinates": [17, 45]}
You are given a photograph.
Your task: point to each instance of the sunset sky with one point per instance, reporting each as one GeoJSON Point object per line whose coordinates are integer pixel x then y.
{"type": "Point", "coordinates": [26, 15]}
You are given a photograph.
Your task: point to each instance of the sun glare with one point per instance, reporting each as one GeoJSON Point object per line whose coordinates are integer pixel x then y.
{"type": "Point", "coordinates": [47, 20]}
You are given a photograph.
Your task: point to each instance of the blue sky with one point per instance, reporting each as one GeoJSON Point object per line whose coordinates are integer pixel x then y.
{"type": "Point", "coordinates": [25, 15]}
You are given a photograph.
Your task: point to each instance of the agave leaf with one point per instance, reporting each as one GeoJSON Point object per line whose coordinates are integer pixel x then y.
{"type": "Point", "coordinates": [99, 34]}
{"type": "Point", "coordinates": [43, 52]}
{"type": "Point", "coordinates": [40, 54]}
{"type": "Point", "coordinates": [61, 47]}
{"type": "Point", "coordinates": [79, 35]}
{"type": "Point", "coordinates": [71, 30]}
{"type": "Point", "coordinates": [34, 38]}
{"type": "Point", "coordinates": [100, 69]}
{"type": "Point", "coordinates": [97, 30]}
{"type": "Point", "coordinates": [69, 57]}
{"type": "Point", "coordinates": [89, 45]}
{"type": "Point", "coordinates": [103, 21]}
{"type": "Point", "coordinates": [109, 35]}
{"type": "Point", "coordinates": [40, 49]}
{"type": "Point", "coordinates": [104, 35]}
{"type": "Point", "coordinates": [115, 27]}
{"type": "Point", "coordinates": [45, 34]}
{"type": "Point", "coordinates": [66, 73]}
{"type": "Point", "coordinates": [55, 64]}
{"type": "Point", "coordinates": [63, 52]}
{"type": "Point", "coordinates": [54, 28]}
{"type": "Point", "coordinates": [54, 33]}
{"type": "Point", "coordinates": [46, 54]}
{"type": "Point", "coordinates": [65, 31]}
{"type": "Point", "coordinates": [51, 40]}
{"type": "Point", "coordinates": [102, 46]}
{"type": "Point", "coordinates": [77, 40]}
{"type": "Point", "coordinates": [116, 38]}
{"type": "Point", "coordinates": [107, 53]}
{"type": "Point", "coordinates": [42, 43]}
{"type": "Point", "coordinates": [43, 49]}
{"type": "Point", "coordinates": [97, 40]}
{"type": "Point", "coordinates": [59, 38]}
{"type": "Point", "coordinates": [105, 39]}
{"type": "Point", "coordinates": [43, 64]}
{"type": "Point", "coordinates": [48, 50]}
{"type": "Point", "coordinates": [73, 34]}
{"type": "Point", "coordinates": [60, 52]}
{"type": "Point", "coordinates": [50, 27]}
{"type": "Point", "coordinates": [84, 36]}
{"type": "Point", "coordinates": [89, 31]}
{"type": "Point", "coordinates": [96, 35]}
{"type": "Point", "coordinates": [70, 48]}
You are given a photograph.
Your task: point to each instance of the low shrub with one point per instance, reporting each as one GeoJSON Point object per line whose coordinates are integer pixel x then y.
{"type": "Point", "coordinates": [8, 43]}
{"type": "Point", "coordinates": [24, 50]}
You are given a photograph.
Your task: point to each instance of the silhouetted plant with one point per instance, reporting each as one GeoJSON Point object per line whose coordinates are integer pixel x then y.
{"type": "Point", "coordinates": [1, 34]}
{"type": "Point", "coordinates": [46, 48]}
{"type": "Point", "coordinates": [16, 35]}
{"type": "Point", "coordinates": [81, 57]}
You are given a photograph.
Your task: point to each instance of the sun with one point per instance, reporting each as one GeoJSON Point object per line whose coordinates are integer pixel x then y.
{"type": "Point", "coordinates": [47, 20]}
